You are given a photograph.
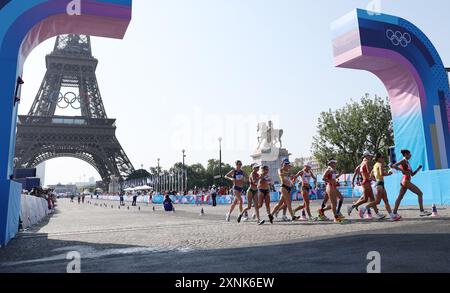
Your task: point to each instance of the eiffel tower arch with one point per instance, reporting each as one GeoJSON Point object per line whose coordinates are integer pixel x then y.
{"type": "Point", "coordinates": [70, 82]}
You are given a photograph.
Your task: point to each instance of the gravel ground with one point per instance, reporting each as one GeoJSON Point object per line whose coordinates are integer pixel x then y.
{"type": "Point", "coordinates": [131, 239]}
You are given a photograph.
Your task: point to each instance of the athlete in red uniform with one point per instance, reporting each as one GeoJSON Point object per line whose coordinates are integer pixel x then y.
{"type": "Point", "coordinates": [365, 170]}
{"type": "Point", "coordinates": [330, 178]}
{"type": "Point", "coordinates": [406, 184]}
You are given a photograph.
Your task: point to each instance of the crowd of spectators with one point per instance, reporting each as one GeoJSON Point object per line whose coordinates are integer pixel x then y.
{"type": "Point", "coordinates": [46, 193]}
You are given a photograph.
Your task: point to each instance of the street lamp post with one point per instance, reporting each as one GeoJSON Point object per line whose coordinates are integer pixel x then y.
{"type": "Point", "coordinates": [184, 179]}
{"type": "Point", "coordinates": [220, 160]}
{"type": "Point", "coordinates": [159, 179]}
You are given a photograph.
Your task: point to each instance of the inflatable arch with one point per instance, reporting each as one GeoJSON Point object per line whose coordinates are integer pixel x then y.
{"type": "Point", "coordinates": [411, 69]}
{"type": "Point", "coordinates": [24, 24]}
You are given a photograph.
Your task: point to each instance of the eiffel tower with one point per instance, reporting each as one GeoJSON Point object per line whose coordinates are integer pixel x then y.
{"type": "Point", "coordinates": [70, 82]}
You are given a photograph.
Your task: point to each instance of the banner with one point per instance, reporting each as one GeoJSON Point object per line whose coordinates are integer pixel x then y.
{"type": "Point", "coordinates": [33, 210]}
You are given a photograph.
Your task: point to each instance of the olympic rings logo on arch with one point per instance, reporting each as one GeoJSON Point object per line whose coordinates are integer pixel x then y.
{"type": "Point", "coordinates": [398, 38]}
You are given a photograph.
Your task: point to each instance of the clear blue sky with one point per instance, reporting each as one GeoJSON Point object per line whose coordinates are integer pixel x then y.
{"type": "Point", "coordinates": [189, 71]}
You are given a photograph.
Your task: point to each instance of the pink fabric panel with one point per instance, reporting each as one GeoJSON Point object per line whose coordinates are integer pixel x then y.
{"type": "Point", "coordinates": [397, 74]}
{"type": "Point", "coordinates": [343, 45]}
{"type": "Point", "coordinates": [348, 57]}
{"type": "Point", "coordinates": [63, 23]}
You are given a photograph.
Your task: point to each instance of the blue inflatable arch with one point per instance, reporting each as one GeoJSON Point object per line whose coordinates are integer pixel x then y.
{"type": "Point", "coordinates": [24, 24]}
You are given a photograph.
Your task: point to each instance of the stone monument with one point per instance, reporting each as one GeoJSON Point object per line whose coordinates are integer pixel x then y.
{"type": "Point", "coordinates": [114, 185]}
{"type": "Point", "coordinates": [270, 151]}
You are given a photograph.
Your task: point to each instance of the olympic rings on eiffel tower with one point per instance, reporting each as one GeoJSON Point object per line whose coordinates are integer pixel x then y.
{"type": "Point", "coordinates": [68, 99]}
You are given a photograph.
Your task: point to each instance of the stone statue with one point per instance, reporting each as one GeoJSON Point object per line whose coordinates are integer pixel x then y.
{"type": "Point", "coordinates": [268, 136]}
{"type": "Point", "coordinates": [270, 152]}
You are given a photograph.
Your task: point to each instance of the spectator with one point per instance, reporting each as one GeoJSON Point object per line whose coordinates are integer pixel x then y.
{"type": "Point", "coordinates": [134, 198]}
{"type": "Point", "coordinates": [168, 205]}
{"type": "Point", "coordinates": [213, 193]}
{"type": "Point", "coordinates": [122, 202]}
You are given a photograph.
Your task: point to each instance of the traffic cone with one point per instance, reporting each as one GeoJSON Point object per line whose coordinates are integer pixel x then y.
{"type": "Point", "coordinates": [369, 215]}
{"type": "Point", "coordinates": [303, 217]}
{"type": "Point", "coordinates": [435, 212]}
{"type": "Point", "coordinates": [202, 212]}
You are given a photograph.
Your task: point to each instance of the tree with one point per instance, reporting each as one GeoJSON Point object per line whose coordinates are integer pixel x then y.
{"type": "Point", "coordinates": [155, 171]}
{"type": "Point", "coordinates": [296, 169]}
{"type": "Point", "coordinates": [247, 169]}
{"type": "Point", "coordinates": [196, 176]}
{"type": "Point", "coordinates": [346, 133]}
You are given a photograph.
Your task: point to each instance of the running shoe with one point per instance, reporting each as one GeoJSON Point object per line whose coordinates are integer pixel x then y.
{"type": "Point", "coordinates": [245, 219]}
{"type": "Point", "coordinates": [260, 222]}
{"type": "Point", "coordinates": [425, 214]}
{"type": "Point", "coordinates": [320, 212]}
{"type": "Point", "coordinates": [340, 216]}
{"type": "Point", "coordinates": [349, 210]}
{"type": "Point", "coordinates": [361, 212]}
{"type": "Point", "coordinates": [322, 218]}
{"type": "Point", "coordinates": [270, 219]}
{"type": "Point", "coordinates": [396, 218]}
{"type": "Point", "coordinates": [338, 220]}
{"type": "Point", "coordinates": [381, 216]}
{"type": "Point", "coordinates": [285, 218]}
{"type": "Point", "coordinates": [295, 218]}
{"type": "Point", "coordinates": [227, 217]}
{"type": "Point", "coordinates": [239, 218]}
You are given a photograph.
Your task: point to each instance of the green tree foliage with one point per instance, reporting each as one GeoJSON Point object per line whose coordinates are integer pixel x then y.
{"type": "Point", "coordinates": [196, 176]}
{"type": "Point", "coordinates": [346, 133]}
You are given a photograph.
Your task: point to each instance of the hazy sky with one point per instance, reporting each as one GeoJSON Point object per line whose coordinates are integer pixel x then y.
{"type": "Point", "coordinates": [189, 71]}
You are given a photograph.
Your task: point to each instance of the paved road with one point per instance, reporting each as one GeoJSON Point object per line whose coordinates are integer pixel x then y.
{"type": "Point", "coordinates": [132, 240]}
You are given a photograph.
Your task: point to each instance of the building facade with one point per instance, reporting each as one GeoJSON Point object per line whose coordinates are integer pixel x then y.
{"type": "Point", "coordinates": [316, 166]}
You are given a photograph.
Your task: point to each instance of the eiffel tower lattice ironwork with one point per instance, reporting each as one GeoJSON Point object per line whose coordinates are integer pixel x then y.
{"type": "Point", "coordinates": [70, 82]}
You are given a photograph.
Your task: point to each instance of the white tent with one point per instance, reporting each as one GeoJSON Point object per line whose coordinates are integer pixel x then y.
{"type": "Point", "coordinates": [144, 187]}
{"type": "Point", "coordinates": [129, 189]}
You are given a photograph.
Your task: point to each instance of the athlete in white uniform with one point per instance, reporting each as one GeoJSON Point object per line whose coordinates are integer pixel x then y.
{"type": "Point", "coordinates": [306, 175]}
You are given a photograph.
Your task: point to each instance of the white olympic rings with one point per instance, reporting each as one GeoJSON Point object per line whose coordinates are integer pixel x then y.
{"type": "Point", "coordinates": [398, 38]}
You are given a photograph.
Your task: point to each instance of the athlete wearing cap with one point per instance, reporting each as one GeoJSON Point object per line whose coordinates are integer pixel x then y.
{"type": "Point", "coordinates": [324, 207]}
{"type": "Point", "coordinates": [365, 170]}
{"type": "Point", "coordinates": [378, 173]}
{"type": "Point", "coordinates": [330, 177]}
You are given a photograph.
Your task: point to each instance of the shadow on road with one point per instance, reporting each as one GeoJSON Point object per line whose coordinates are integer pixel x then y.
{"type": "Point", "coordinates": [411, 252]}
